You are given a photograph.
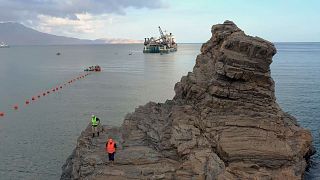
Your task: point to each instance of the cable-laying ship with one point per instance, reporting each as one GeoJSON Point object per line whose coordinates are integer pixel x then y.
{"type": "Point", "coordinates": [164, 44]}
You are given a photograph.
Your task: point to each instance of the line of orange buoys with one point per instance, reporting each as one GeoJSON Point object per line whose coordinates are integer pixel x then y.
{"type": "Point", "coordinates": [47, 92]}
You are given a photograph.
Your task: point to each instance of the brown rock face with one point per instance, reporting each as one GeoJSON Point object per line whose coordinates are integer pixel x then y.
{"type": "Point", "coordinates": [223, 123]}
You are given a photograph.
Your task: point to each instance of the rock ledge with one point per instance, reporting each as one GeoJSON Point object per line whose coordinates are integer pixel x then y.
{"type": "Point", "coordinates": [223, 123]}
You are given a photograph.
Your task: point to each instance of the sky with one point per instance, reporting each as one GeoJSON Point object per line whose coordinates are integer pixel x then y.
{"type": "Point", "coordinates": [189, 20]}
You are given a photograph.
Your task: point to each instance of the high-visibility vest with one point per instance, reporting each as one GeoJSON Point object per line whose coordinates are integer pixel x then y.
{"type": "Point", "coordinates": [94, 121]}
{"type": "Point", "coordinates": [110, 147]}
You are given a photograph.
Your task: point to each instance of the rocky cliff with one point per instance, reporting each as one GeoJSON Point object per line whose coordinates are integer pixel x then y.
{"type": "Point", "coordinates": [223, 123]}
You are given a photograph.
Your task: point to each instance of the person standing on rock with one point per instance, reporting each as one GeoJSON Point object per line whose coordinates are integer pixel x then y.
{"type": "Point", "coordinates": [99, 127]}
{"type": "Point", "coordinates": [94, 125]}
{"type": "Point", "coordinates": [111, 149]}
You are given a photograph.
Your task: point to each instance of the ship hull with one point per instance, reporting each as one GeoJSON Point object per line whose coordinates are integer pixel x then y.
{"type": "Point", "coordinates": [151, 49]}
{"type": "Point", "coordinates": [158, 49]}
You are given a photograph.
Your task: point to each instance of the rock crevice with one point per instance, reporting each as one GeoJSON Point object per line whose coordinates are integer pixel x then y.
{"type": "Point", "coordinates": [223, 123]}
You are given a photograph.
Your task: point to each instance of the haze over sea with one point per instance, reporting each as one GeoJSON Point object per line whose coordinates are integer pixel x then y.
{"type": "Point", "coordinates": [36, 140]}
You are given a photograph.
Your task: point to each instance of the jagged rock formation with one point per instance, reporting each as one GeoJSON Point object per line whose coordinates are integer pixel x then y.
{"type": "Point", "coordinates": [223, 123]}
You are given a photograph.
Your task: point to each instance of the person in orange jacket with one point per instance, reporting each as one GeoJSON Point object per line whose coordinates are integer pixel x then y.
{"type": "Point", "coordinates": [111, 149]}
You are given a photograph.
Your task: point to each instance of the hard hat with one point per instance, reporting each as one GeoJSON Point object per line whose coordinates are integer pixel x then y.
{"type": "Point", "coordinates": [92, 115]}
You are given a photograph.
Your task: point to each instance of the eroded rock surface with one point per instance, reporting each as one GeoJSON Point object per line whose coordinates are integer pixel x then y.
{"type": "Point", "coordinates": [223, 123]}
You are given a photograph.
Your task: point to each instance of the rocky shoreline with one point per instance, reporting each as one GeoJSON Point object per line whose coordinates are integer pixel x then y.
{"type": "Point", "coordinates": [223, 123]}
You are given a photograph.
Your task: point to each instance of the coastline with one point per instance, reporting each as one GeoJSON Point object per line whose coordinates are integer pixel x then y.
{"type": "Point", "coordinates": [89, 153]}
{"type": "Point", "coordinates": [205, 132]}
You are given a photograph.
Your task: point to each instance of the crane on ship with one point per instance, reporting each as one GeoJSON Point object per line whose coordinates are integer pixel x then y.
{"type": "Point", "coordinates": [161, 33]}
{"type": "Point", "coordinates": [164, 44]}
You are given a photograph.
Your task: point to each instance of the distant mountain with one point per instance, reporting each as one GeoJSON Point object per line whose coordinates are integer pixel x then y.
{"type": "Point", "coordinates": [18, 34]}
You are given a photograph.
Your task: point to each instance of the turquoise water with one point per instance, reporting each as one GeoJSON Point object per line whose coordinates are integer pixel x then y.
{"type": "Point", "coordinates": [36, 140]}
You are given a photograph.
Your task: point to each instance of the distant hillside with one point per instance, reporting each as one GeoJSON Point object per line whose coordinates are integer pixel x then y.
{"type": "Point", "coordinates": [18, 34]}
{"type": "Point", "coordinates": [117, 41]}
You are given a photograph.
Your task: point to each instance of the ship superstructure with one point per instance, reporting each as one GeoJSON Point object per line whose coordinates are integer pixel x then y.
{"type": "Point", "coordinates": [164, 44]}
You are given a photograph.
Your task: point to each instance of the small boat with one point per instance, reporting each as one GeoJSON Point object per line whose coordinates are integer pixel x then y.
{"type": "Point", "coordinates": [3, 45]}
{"type": "Point", "coordinates": [94, 68]}
{"type": "Point", "coordinates": [58, 54]}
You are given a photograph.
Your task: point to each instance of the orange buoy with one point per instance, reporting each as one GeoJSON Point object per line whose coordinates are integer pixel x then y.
{"type": "Point", "coordinates": [47, 92]}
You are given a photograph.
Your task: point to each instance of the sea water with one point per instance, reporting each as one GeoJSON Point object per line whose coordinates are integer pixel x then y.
{"type": "Point", "coordinates": [296, 71]}
{"type": "Point", "coordinates": [36, 139]}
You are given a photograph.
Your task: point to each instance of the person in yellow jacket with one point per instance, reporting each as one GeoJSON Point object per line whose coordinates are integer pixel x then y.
{"type": "Point", "coordinates": [94, 125]}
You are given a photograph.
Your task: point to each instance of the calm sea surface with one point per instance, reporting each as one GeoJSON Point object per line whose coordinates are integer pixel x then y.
{"type": "Point", "coordinates": [36, 140]}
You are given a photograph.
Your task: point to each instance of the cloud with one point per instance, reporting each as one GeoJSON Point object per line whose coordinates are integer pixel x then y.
{"type": "Point", "coordinates": [84, 23]}
{"type": "Point", "coordinates": [19, 10]}
{"type": "Point", "coordinates": [70, 17]}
